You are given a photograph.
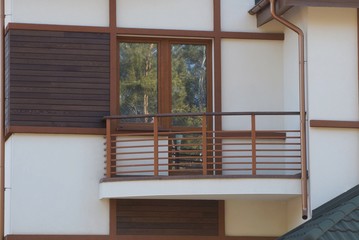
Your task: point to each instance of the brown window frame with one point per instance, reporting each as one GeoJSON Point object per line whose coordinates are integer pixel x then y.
{"type": "Point", "coordinates": [164, 78]}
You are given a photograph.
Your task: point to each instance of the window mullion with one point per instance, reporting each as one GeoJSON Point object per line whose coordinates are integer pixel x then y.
{"type": "Point", "coordinates": [164, 91]}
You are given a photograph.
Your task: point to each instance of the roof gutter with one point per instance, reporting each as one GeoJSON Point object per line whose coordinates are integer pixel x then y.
{"type": "Point", "coordinates": [2, 117]}
{"type": "Point", "coordinates": [259, 6]}
{"type": "Point", "coordinates": [303, 141]}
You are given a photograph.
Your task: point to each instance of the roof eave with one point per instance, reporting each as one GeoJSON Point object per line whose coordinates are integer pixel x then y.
{"type": "Point", "coordinates": [262, 8]}
{"type": "Point", "coordinates": [259, 6]}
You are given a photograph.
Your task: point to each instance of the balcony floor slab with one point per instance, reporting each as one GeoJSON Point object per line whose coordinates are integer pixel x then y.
{"type": "Point", "coordinates": [216, 189]}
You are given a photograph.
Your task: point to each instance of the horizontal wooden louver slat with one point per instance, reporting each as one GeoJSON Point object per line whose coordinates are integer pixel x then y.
{"type": "Point", "coordinates": [167, 217]}
{"type": "Point", "coordinates": [57, 79]}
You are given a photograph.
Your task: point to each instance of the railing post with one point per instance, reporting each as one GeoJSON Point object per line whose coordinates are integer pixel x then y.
{"type": "Point", "coordinates": [155, 145]}
{"type": "Point", "coordinates": [204, 144]}
{"type": "Point", "coordinates": [254, 147]}
{"type": "Point", "coordinates": [108, 148]}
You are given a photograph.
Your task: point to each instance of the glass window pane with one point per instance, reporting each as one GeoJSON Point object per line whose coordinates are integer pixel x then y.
{"type": "Point", "coordinates": [189, 82]}
{"type": "Point", "coordinates": [138, 79]}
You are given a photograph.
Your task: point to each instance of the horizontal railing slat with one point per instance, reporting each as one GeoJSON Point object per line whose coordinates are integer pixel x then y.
{"type": "Point", "coordinates": [249, 148]}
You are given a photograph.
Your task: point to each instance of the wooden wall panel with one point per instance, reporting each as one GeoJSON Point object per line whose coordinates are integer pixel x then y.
{"type": "Point", "coordinates": [167, 217]}
{"type": "Point", "coordinates": [58, 79]}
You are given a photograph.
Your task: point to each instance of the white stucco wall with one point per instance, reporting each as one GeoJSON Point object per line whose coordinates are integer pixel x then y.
{"type": "Point", "coordinates": [235, 18]}
{"type": "Point", "coordinates": [166, 14]}
{"type": "Point", "coordinates": [332, 95]}
{"type": "Point", "coordinates": [252, 75]}
{"type": "Point", "coordinates": [255, 218]}
{"type": "Point", "coordinates": [64, 12]}
{"type": "Point", "coordinates": [8, 11]}
{"type": "Point", "coordinates": [260, 217]}
{"type": "Point", "coordinates": [333, 64]}
{"type": "Point", "coordinates": [334, 163]}
{"type": "Point", "coordinates": [294, 213]}
{"type": "Point", "coordinates": [8, 174]}
{"type": "Point", "coordinates": [53, 185]}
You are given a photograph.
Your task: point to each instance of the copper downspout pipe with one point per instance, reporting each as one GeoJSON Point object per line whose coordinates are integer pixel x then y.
{"type": "Point", "coordinates": [303, 142]}
{"type": "Point", "coordinates": [2, 117]}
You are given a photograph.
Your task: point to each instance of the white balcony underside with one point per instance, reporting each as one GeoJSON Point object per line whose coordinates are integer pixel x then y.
{"type": "Point", "coordinates": [218, 189]}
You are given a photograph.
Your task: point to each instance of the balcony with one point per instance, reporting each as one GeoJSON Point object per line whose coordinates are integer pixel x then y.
{"type": "Point", "coordinates": [169, 155]}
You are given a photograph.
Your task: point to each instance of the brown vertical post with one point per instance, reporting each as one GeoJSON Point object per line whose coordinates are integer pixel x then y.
{"type": "Point", "coordinates": [254, 147]}
{"type": "Point", "coordinates": [113, 219]}
{"type": "Point", "coordinates": [155, 145]}
{"type": "Point", "coordinates": [217, 81]}
{"type": "Point", "coordinates": [221, 220]}
{"type": "Point", "coordinates": [108, 148]}
{"type": "Point", "coordinates": [114, 104]}
{"type": "Point", "coordinates": [204, 144]}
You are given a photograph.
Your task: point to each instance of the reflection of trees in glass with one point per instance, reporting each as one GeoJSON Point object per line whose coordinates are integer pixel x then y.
{"type": "Point", "coordinates": [139, 74]}
{"type": "Point", "coordinates": [189, 80]}
{"type": "Point", "coordinates": [138, 78]}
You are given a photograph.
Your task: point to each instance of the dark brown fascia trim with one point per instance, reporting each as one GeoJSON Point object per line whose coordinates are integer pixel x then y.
{"type": "Point", "coordinates": [56, 130]}
{"type": "Point", "coordinates": [165, 32]}
{"type": "Point", "coordinates": [264, 14]}
{"type": "Point", "coordinates": [51, 27]}
{"type": "Point", "coordinates": [323, 3]}
{"type": "Point", "coordinates": [57, 237]}
{"type": "Point", "coordinates": [258, 7]}
{"type": "Point", "coordinates": [250, 238]}
{"type": "Point", "coordinates": [139, 237]}
{"type": "Point", "coordinates": [261, 9]}
{"type": "Point", "coordinates": [253, 36]}
{"type": "Point", "coordinates": [163, 237]}
{"type": "Point", "coordinates": [106, 237]}
{"type": "Point", "coordinates": [147, 32]}
{"type": "Point", "coordinates": [334, 124]}
{"type": "Point", "coordinates": [200, 34]}
{"type": "Point", "coordinates": [307, 3]}
{"type": "Point", "coordinates": [195, 177]}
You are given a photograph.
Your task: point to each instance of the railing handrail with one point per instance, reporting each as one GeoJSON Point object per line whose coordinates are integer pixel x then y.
{"type": "Point", "coordinates": [239, 158]}
{"type": "Point", "coordinates": [204, 114]}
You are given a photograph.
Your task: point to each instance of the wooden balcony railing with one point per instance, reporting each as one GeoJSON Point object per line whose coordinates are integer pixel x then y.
{"type": "Point", "coordinates": [249, 144]}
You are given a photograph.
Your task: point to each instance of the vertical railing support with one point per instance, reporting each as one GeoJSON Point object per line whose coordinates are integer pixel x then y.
{"type": "Point", "coordinates": [204, 144]}
{"type": "Point", "coordinates": [155, 145]}
{"type": "Point", "coordinates": [108, 148]}
{"type": "Point", "coordinates": [254, 147]}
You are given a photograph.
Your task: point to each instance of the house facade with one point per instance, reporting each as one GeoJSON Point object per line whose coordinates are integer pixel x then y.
{"type": "Point", "coordinates": [175, 119]}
